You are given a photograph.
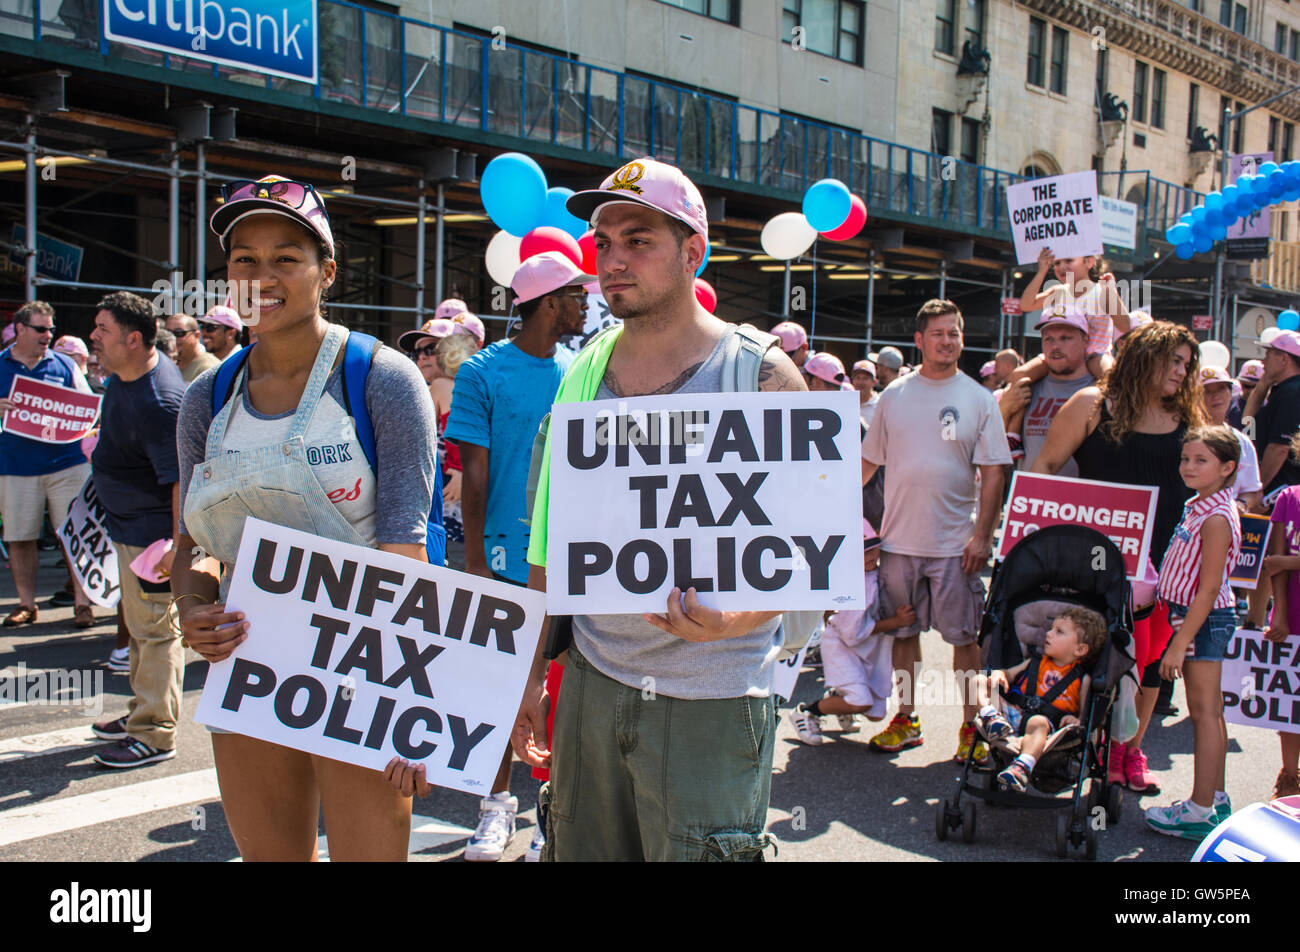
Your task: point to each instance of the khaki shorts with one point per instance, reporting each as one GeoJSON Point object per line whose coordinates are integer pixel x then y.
{"type": "Point", "coordinates": [23, 500]}
{"type": "Point", "coordinates": [945, 597]}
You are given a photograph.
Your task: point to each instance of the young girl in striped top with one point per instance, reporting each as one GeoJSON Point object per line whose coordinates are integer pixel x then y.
{"type": "Point", "coordinates": [1194, 583]}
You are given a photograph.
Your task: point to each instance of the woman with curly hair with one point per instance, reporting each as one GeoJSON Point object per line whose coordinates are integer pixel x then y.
{"type": "Point", "coordinates": [1129, 429]}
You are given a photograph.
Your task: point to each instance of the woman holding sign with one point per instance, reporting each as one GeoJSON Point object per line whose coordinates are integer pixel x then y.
{"type": "Point", "coordinates": [1129, 429]}
{"type": "Point", "coordinates": [276, 437]}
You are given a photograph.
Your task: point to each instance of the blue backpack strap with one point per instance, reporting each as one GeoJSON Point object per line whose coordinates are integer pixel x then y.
{"type": "Point", "coordinates": [227, 371]}
{"type": "Point", "coordinates": [357, 355]}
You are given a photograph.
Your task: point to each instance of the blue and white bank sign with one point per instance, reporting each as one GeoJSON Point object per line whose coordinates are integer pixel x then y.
{"type": "Point", "coordinates": [267, 36]}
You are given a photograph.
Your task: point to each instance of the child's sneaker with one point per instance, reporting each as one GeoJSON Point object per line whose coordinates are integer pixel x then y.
{"type": "Point", "coordinates": [994, 726]}
{"type": "Point", "coordinates": [1177, 820]}
{"type": "Point", "coordinates": [1222, 806]}
{"type": "Point", "coordinates": [1015, 776]}
{"type": "Point", "coordinates": [903, 732]}
{"type": "Point", "coordinates": [807, 725]}
{"type": "Point", "coordinates": [1115, 764]}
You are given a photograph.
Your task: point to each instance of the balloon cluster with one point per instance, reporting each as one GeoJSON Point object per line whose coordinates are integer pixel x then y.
{"type": "Point", "coordinates": [1198, 230]}
{"type": "Point", "coordinates": [829, 209]}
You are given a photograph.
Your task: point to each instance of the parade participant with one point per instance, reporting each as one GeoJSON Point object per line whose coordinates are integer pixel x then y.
{"type": "Point", "coordinates": [1194, 584]}
{"type": "Point", "coordinates": [1129, 429]}
{"type": "Point", "coordinates": [191, 358]}
{"type": "Point", "coordinates": [451, 352]}
{"type": "Point", "coordinates": [826, 372]}
{"type": "Point", "coordinates": [1005, 363]}
{"type": "Point", "coordinates": [1216, 395]}
{"type": "Point", "coordinates": [1281, 575]}
{"type": "Point", "coordinates": [989, 376]}
{"type": "Point", "coordinates": [1274, 408]}
{"type": "Point", "coordinates": [794, 341]}
{"type": "Point", "coordinates": [935, 429]}
{"type": "Point", "coordinates": [1252, 371]}
{"type": "Point", "coordinates": [863, 379]}
{"type": "Point", "coordinates": [889, 366]}
{"type": "Point", "coordinates": [289, 394]}
{"type": "Point", "coordinates": [219, 330]}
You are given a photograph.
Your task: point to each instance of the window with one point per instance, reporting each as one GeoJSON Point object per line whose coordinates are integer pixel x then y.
{"type": "Point", "coordinates": [1140, 92]}
{"type": "Point", "coordinates": [976, 12]}
{"type": "Point", "coordinates": [1279, 40]}
{"type": "Point", "coordinates": [1288, 136]}
{"type": "Point", "coordinates": [830, 27]}
{"type": "Point", "coordinates": [1239, 20]}
{"type": "Point", "coordinates": [1158, 98]}
{"type": "Point", "coordinates": [1060, 59]}
{"type": "Point", "coordinates": [1103, 71]}
{"type": "Point", "coordinates": [945, 30]}
{"type": "Point", "coordinates": [1225, 12]}
{"type": "Point", "coordinates": [1295, 44]}
{"type": "Point", "coordinates": [1037, 29]}
{"type": "Point", "coordinates": [1239, 130]}
{"type": "Point", "coordinates": [941, 132]}
{"type": "Point", "coordinates": [724, 10]}
{"type": "Point", "coordinates": [970, 141]}
{"type": "Point", "coordinates": [1193, 102]}
{"type": "Point", "coordinates": [1273, 124]}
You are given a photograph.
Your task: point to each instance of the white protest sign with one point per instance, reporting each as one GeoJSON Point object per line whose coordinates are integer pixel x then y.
{"type": "Point", "coordinates": [1261, 681]}
{"type": "Point", "coordinates": [786, 674]}
{"type": "Point", "coordinates": [1118, 222]}
{"type": "Point", "coordinates": [1061, 213]}
{"type": "Point", "coordinates": [361, 656]}
{"type": "Point", "coordinates": [90, 551]}
{"type": "Point", "coordinates": [752, 499]}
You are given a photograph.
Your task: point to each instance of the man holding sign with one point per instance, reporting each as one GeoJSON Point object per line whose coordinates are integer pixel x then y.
{"type": "Point", "coordinates": [36, 473]}
{"type": "Point", "coordinates": [664, 730]}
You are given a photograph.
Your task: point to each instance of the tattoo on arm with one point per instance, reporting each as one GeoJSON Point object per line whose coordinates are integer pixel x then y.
{"type": "Point", "coordinates": [778, 372]}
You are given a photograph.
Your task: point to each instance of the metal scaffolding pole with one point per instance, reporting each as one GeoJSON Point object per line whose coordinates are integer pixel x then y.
{"type": "Point", "coordinates": [871, 295]}
{"type": "Point", "coordinates": [419, 251]}
{"type": "Point", "coordinates": [200, 223]}
{"type": "Point", "coordinates": [1002, 318]}
{"type": "Point", "coordinates": [174, 228]}
{"type": "Point", "coordinates": [943, 279]}
{"type": "Point", "coordinates": [438, 246]}
{"type": "Point", "coordinates": [785, 306]}
{"type": "Point", "coordinates": [29, 210]}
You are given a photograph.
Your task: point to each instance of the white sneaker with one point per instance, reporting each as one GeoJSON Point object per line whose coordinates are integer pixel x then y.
{"type": "Point", "coordinates": [848, 723]}
{"type": "Point", "coordinates": [119, 659]}
{"type": "Point", "coordinates": [534, 853]}
{"type": "Point", "coordinates": [496, 827]}
{"type": "Point", "coordinates": [808, 726]}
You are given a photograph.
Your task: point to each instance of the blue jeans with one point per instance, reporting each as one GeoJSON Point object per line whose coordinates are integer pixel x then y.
{"type": "Point", "coordinates": [1212, 640]}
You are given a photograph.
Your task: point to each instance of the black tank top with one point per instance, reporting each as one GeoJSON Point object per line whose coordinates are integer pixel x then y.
{"type": "Point", "coordinates": [1143, 459]}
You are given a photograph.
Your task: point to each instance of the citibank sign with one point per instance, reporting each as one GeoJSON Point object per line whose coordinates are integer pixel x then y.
{"type": "Point", "coordinates": [278, 37]}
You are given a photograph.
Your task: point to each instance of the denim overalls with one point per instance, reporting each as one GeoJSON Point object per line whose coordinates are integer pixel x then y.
{"type": "Point", "coordinates": [274, 483]}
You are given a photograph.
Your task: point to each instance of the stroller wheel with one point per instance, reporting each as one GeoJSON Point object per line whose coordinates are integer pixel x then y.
{"type": "Point", "coordinates": [1062, 836]}
{"type": "Point", "coordinates": [968, 822]}
{"type": "Point", "coordinates": [941, 820]}
{"type": "Point", "coordinates": [1114, 803]}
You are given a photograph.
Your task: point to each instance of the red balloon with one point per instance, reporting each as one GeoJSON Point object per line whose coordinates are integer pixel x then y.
{"type": "Point", "coordinates": [853, 224]}
{"type": "Point", "coordinates": [548, 238]}
{"type": "Point", "coordinates": [587, 245]}
{"type": "Point", "coordinates": [705, 294]}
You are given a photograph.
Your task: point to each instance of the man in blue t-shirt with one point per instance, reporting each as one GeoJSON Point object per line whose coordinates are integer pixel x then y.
{"type": "Point", "coordinates": [137, 478]}
{"type": "Point", "coordinates": [34, 474]}
{"type": "Point", "coordinates": [501, 395]}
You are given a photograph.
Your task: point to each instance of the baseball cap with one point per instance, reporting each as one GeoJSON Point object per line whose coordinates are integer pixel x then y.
{"type": "Point", "coordinates": [1062, 314]}
{"type": "Point", "coordinates": [272, 195]}
{"type": "Point", "coordinates": [73, 346]}
{"type": "Point", "coordinates": [1251, 371]}
{"type": "Point", "coordinates": [866, 366]}
{"type": "Point", "coordinates": [8, 333]}
{"type": "Point", "coordinates": [646, 182]}
{"type": "Point", "coordinates": [890, 357]}
{"type": "Point", "coordinates": [827, 367]}
{"type": "Point", "coordinates": [451, 307]}
{"type": "Point", "coordinates": [1211, 375]}
{"type": "Point", "coordinates": [792, 336]}
{"type": "Point", "coordinates": [437, 327]}
{"type": "Point", "coordinates": [225, 316]}
{"type": "Point", "coordinates": [467, 323]}
{"type": "Point", "coordinates": [870, 537]}
{"type": "Point", "coordinates": [1288, 342]}
{"type": "Point", "coordinates": [988, 369]}
{"type": "Point", "coordinates": [545, 273]}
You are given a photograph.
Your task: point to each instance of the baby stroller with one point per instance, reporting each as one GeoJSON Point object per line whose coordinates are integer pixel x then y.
{"type": "Point", "coordinates": [1047, 571]}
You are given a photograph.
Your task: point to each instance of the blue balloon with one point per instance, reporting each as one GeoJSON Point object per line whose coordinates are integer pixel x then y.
{"type": "Point", "coordinates": [1185, 252]}
{"type": "Point", "coordinates": [1219, 231]}
{"type": "Point", "coordinates": [1289, 321]}
{"type": "Point", "coordinates": [513, 191]}
{"type": "Point", "coordinates": [1214, 216]}
{"type": "Point", "coordinates": [1213, 200]}
{"type": "Point", "coordinates": [1203, 243]}
{"type": "Point", "coordinates": [1179, 234]}
{"type": "Point", "coordinates": [1259, 184]}
{"type": "Point", "coordinates": [1277, 183]}
{"type": "Point", "coordinates": [705, 263]}
{"type": "Point", "coordinates": [1291, 194]}
{"type": "Point", "coordinates": [558, 216]}
{"type": "Point", "coordinates": [1262, 197]}
{"type": "Point", "coordinates": [827, 204]}
{"type": "Point", "coordinates": [1230, 196]}
{"type": "Point", "coordinates": [1268, 168]}
{"type": "Point", "coordinates": [1198, 216]}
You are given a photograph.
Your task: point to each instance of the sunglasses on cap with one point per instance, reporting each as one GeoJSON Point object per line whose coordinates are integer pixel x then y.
{"type": "Point", "coordinates": [286, 192]}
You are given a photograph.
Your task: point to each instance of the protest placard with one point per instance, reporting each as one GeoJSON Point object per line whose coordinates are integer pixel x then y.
{"type": "Point", "coordinates": [50, 413]}
{"type": "Point", "coordinates": [1261, 681]}
{"type": "Point", "coordinates": [1118, 222]}
{"type": "Point", "coordinates": [1122, 513]}
{"type": "Point", "coordinates": [1061, 213]}
{"type": "Point", "coordinates": [752, 499]}
{"type": "Point", "coordinates": [361, 655]}
{"type": "Point", "coordinates": [90, 551]}
{"type": "Point", "coordinates": [1254, 546]}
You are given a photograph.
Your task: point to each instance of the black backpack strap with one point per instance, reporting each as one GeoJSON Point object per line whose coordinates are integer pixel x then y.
{"type": "Point", "coordinates": [1056, 690]}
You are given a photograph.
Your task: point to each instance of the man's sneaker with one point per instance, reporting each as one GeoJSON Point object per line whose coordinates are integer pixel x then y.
{"type": "Point", "coordinates": [994, 727]}
{"type": "Point", "coordinates": [110, 730]}
{"type": "Point", "coordinates": [1222, 808]}
{"type": "Point", "coordinates": [129, 752]}
{"type": "Point", "coordinates": [61, 599]}
{"type": "Point", "coordinates": [903, 732]}
{"type": "Point", "coordinates": [1287, 785]}
{"type": "Point", "coordinates": [1115, 764]}
{"type": "Point", "coordinates": [848, 723]}
{"type": "Point", "coordinates": [807, 725]}
{"type": "Point", "coordinates": [1137, 775]}
{"type": "Point", "coordinates": [1177, 820]}
{"type": "Point", "coordinates": [496, 827]}
{"type": "Point", "coordinates": [119, 659]}
{"type": "Point", "coordinates": [1015, 776]}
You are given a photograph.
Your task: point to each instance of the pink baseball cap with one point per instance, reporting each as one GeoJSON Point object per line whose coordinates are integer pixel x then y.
{"type": "Point", "coordinates": [272, 195]}
{"type": "Point", "coordinates": [827, 367]}
{"type": "Point", "coordinates": [1252, 371]}
{"type": "Point", "coordinates": [225, 316]}
{"type": "Point", "coordinates": [437, 327]}
{"type": "Point", "coordinates": [792, 336]}
{"type": "Point", "coordinates": [1063, 314]}
{"type": "Point", "coordinates": [544, 273]}
{"type": "Point", "coordinates": [865, 366]}
{"type": "Point", "coordinates": [988, 370]}
{"type": "Point", "coordinates": [870, 537]}
{"type": "Point", "coordinates": [1288, 342]}
{"type": "Point", "coordinates": [8, 334]}
{"type": "Point", "coordinates": [1211, 375]}
{"type": "Point", "coordinates": [646, 182]}
{"type": "Point", "coordinates": [451, 307]}
{"type": "Point", "coordinates": [467, 323]}
{"type": "Point", "coordinates": [72, 346]}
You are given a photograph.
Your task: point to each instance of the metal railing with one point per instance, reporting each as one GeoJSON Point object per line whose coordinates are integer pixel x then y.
{"type": "Point", "coordinates": [1281, 269]}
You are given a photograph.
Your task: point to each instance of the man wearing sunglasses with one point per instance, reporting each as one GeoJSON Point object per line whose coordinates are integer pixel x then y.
{"type": "Point", "coordinates": [191, 357]}
{"type": "Point", "coordinates": [35, 474]}
{"type": "Point", "coordinates": [219, 332]}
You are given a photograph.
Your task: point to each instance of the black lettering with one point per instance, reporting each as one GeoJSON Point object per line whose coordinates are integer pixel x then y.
{"type": "Point", "coordinates": [585, 560]}
{"type": "Point", "coordinates": [338, 585]}
{"type": "Point", "coordinates": [379, 722]}
{"type": "Point", "coordinates": [241, 684]}
{"type": "Point", "coordinates": [733, 436]}
{"type": "Point", "coordinates": [646, 441]}
{"type": "Point", "coordinates": [336, 724]}
{"type": "Point", "coordinates": [371, 580]}
{"type": "Point", "coordinates": [577, 458]}
{"type": "Point", "coordinates": [420, 602]}
{"type": "Point", "coordinates": [329, 628]}
{"type": "Point", "coordinates": [803, 434]}
{"type": "Point", "coordinates": [262, 568]}
{"type": "Point", "coordinates": [462, 743]}
{"type": "Point", "coordinates": [647, 487]}
{"type": "Point", "coordinates": [460, 602]}
{"type": "Point", "coordinates": [657, 568]}
{"type": "Point", "coordinates": [742, 499]}
{"type": "Point", "coordinates": [751, 563]}
{"type": "Point", "coordinates": [819, 560]}
{"type": "Point", "coordinates": [1255, 650]}
{"type": "Point", "coordinates": [367, 653]}
{"type": "Point", "coordinates": [682, 568]}
{"type": "Point", "coordinates": [402, 732]}
{"type": "Point", "coordinates": [773, 436]}
{"type": "Point", "coordinates": [499, 617]}
{"type": "Point", "coordinates": [414, 662]}
{"type": "Point", "coordinates": [681, 439]}
{"type": "Point", "coordinates": [727, 564]}
{"type": "Point", "coordinates": [690, 501]}
{"type": "Point", "coordinates": [288, 693]}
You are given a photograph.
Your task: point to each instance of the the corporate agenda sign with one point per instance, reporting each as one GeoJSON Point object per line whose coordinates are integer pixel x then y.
{"type": "Point", "coordinates": [277, 37]}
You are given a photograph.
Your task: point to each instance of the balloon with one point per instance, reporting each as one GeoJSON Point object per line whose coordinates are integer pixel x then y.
{"type": "Point", "coordinates": [1230, 196]}
{"type": "Point", "coordinates": [1268, 168]}
{"type": "Point", "coordinates": [1219, 231]}
{"type": "Point", "coordinates": [1214, 216]}
{"type": "Point", "coordinates": [1214, 354]}
{"type": "Point", "coordinates": [557, 216]}
{"type": "Point", "coordinates": [1277, 183]}
{"type": "Point", "coordinates": [1213, 200]}
{"type": "Point", "coordinates": [1291, 194]}
{"type": "Point", "coordinates": [1198, 216]}
{"type": "Point", "coordinates": [547, 238]}
{"type": "Point", "coordinates": [1203, 243]}
{"type": "Point", "coordinates": [1179, 234]}
{"type": "Point", "coordinates": [502, 258]}
{"type": "Point", "coordinates": [513, 191]}
{"type": "Point", "coordinates": [827, 204]}
{"type": "Point", "coordinates": [1288, 321]}
{"type": "Point", "coordinates": [1269, 334]}
{"type": "Point", "coordinates": [705, 294]}
{"type": "Point", "coordinates": [1185, 252]}
{"type": "Point", "coordinates": [853, 224]}
{"type": "Point", "coordinates": [703, 264]}
{"type": "Point", "coordinates": [787, 236]}
{"type": "Point", "coordinates": [587, 244]}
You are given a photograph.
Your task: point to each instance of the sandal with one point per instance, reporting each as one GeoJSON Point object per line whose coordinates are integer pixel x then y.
{"type": "Point", "coordinates": [22, 615]}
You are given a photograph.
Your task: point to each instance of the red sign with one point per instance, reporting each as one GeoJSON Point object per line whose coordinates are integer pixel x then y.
{"type": "Point", "coordinates": [1202, 322]}
{"type": "Point", "coordinates": [50, 413]}
{"type": "Point", "coordinates": [1011, 306]}
{"type": "Point", "coordinates": [1122, 513]}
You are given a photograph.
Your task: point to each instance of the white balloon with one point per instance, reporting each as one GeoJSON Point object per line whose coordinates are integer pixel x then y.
{"type": "Point", "coordinates": [1214, 354]}
{"type": "Point", "coordinates": [1266, 338]}
{"type": "Point", "coordinates": [787, 236]}
{"type": "Point", "coordinates": [502, 258]}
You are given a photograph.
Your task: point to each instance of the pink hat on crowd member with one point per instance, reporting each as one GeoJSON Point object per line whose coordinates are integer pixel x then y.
{"type": "Point", "coordinates": [8, 334]}
{"type": "Point", "coordinates": [1063, 314]}
{"type": "Point", "coordinates": [1211, 375]}
{"type": "Point", "coordinates": [988, 370]}
{"type": "Point", "coordinates": [467, 323]}
{"type": "Point", "coordinates": [792, 336]}
{"type": "Point", "coordinates": [451, 307]}
{"type": "Point", "coordinates": [272, 195]}
{"type": "Point", "coordinates": [864, 366]}
{"type": "Point", "coordinates": [544, 274]}
{"type": "Point", "coordinates": [1252, 371]}
{"type": "Point", "coordinates": [1288, 342]}
{"type": "Point", "coordinates": [870, 537]}
{"type": "Point", "coordinates": [646, 182]}
{"type": "Point", "coordinates": [72, 346]}
{"type": "Point", "coordinates": [827, 367]}
{"type": "Point", "coordinates": [436, 327]}
{"type": "Point", "coordinates": [225, 316]}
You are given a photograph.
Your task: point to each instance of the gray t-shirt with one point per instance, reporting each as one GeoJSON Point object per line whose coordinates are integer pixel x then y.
{"type": "Point", "coordinates": [630, 650]}
{"type": "Point", "coordinates": [1045, 401]}
{"type": "Point", "coordinates": [406, 442]}
{"type": "Point", "coordinates": [932, 434]}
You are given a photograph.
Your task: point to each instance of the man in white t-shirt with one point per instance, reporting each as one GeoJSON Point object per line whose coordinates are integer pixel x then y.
{"type": "Point", "coordinates": [863, 378]}
{"type": "Point", "coordinates": [935, 429]}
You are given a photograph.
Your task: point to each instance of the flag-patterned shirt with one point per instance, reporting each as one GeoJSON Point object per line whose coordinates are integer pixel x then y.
{"type": "Point", "coordinates": [1181, 570]}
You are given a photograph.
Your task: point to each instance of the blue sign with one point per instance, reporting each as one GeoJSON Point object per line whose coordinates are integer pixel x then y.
{"type": "Point", "coordinates": [1261, 833]}
{"type": "Point", "coordinates": [55, 259]}
{"type": "Point", "coordinates": [277, 37]}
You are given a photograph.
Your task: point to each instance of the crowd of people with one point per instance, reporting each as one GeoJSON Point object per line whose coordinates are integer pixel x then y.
{"type": "Point", "coordinates": [1114, 396]}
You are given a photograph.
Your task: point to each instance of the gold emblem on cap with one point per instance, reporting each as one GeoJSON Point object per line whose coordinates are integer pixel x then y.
{"type": "Point", "coordinates": [625, 179]}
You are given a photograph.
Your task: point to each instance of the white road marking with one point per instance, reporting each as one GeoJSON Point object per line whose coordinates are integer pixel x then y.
{"type": "Point", "coordinates": [51, 742]}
